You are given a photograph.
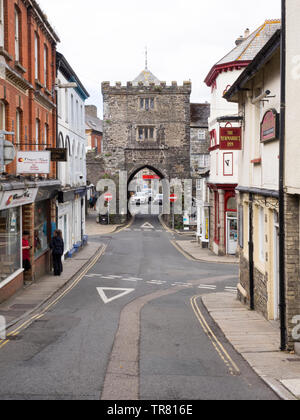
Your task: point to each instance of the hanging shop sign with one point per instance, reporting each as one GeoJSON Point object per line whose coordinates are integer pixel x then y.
{"type": "Point", "coordinates": [230, 138]}
{"type": "Point", "coordinates": [58, 154]}
{"type": "Point", "coordinates": [17, 198]}
{"type": "Point", "coordinates": [270, 126]}
{"type": "Point", "coordinates": [33, 162]}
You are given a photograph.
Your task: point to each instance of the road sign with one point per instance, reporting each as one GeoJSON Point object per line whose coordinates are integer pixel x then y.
{"type": "Point", "coordinates": [108, 197]}
{"type": "Point", "coordinates": [173, 198]}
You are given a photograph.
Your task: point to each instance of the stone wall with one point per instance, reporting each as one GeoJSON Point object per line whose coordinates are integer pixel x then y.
{"type": "Point", "coordinates": [292, 263]}
{"type": "Point", "coordinates": [169, 151]}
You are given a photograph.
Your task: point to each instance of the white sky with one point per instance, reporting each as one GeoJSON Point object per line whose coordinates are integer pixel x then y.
{"type": "Point", "coordinates": [105, 40]}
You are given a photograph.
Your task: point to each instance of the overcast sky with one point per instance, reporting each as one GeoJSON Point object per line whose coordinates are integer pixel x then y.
{"type": "Point", "coordinates": [105, 40]}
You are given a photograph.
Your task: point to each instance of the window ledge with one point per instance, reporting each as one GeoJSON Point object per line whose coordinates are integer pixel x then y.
{"type": "Point", "coordinates": [38, 84]}
{"type": "Point", "coordinates": [5, 54]}
{"type": "Point", "coordinates": [19, 67]}
{"type": "Point", "coordinates": [48, 92]}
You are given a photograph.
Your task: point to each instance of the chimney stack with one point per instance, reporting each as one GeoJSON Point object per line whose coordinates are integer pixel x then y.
{"type": "Point", "coordinates": [239, 40]}
{"type": "Point", "coordinates": [247, 33]}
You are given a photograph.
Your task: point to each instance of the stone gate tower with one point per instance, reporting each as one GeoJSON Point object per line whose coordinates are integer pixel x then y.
{"type": "Point", "coordinates": [147, 124]}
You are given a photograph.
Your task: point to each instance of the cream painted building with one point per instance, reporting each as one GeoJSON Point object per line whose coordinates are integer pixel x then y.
{"type": "Point", "coordinates": [225, 116]}
{"type": "Point", "coordinates": [292, 172]}
{"type": "Point", "coordinates": [257, 92]}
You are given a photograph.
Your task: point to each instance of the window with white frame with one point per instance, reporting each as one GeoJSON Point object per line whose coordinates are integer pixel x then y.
{"type": "Point", "coordinates": [201, 134]}
{"type": "Point", "coordinates": [45, 66]}
{"type": "Point", "coordinates": [72, 110]}
{"type": "Point", "coordinates": [1, 23]}
{"type": "Point", "coordinates": [37, 134]}
{"type": "Point", "coordinates": [204, 161]}
{"type": "Point", "coordinates": [36, 56]}
{"type": "Point", "coordinates": [2, 115]}
{"type": "Point", "coordinates": [46, 135]}
{"type": "Point", "coordinates": [18, 128]}
{"type": "Point", "coordinates": [66, 106]}
{"type": "Point", "coordinates": [17, 35]}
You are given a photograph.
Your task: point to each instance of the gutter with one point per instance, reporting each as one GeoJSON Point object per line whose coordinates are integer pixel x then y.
{"type": "Point", "coordinates": [282, 280]}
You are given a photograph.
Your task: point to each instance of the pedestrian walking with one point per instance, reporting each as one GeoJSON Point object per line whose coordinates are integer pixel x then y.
{"type": "Point", "coordinates": [26, 251]}
{"type": "Point", "coordinates": [57, 247]}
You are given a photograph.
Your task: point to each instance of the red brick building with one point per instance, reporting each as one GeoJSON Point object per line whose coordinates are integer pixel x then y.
{"type": "Point", "coordinates": [27, 109]}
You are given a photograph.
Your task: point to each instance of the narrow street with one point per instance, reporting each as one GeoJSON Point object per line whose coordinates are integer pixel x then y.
{"type": "Point", "coordinates": [84, 348]}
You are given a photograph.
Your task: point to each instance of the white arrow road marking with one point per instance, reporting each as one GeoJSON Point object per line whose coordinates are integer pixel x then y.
{"type": "Point", "coordinates": [101, 291]}
{"type": "Point", "coordinates": [147, 225]}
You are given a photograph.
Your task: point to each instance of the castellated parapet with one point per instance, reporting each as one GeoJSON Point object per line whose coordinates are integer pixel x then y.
{"type": "Point", "coordinates": [131, 88]}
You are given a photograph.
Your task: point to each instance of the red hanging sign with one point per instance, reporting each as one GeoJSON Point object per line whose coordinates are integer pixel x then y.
{"type": "Point", "coordinates": [230, 138]}
{"type": "Point", "coordinates": [270, 126]}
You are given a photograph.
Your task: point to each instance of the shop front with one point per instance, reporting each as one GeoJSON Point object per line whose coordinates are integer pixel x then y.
{"type": "Point", "coordinates": [11, 220]}
{"type": "Point", "coordinates": [42, 229]}
{"type": "Point", "coordinates": [71, 218]}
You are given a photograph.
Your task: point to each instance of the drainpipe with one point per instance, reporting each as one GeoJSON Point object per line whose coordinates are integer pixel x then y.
{"type": "Point", "coordinates": [282, 304]}
{"type": "Point", "coordinates": [251, 258]}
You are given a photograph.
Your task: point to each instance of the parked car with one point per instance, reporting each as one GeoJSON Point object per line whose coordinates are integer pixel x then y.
{"type": "Point", "coordinates": [139, 198]}
{"type": "Point", "coordinates": [148, 192]}
{"type": "Point", "coordinates": [159, 198]}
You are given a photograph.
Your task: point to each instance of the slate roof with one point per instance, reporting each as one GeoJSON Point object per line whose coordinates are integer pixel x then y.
{"type": "Point", "coordinates": [250, 47]}
{"type": "Point", "coordinates": [93, 123]}
{"type": "Point", "coordinates": [146, 77]}
{"type": "Point", "coordinates": [245, 52]}
{"type": "Point", "coordinates": [200, 114]}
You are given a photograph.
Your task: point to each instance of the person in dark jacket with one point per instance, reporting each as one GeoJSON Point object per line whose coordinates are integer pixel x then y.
{"type": "Point", "coordinates": [57, 246]}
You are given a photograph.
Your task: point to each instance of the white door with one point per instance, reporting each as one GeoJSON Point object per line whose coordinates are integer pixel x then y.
{"type": "Point", "coordinates": [232, 235]}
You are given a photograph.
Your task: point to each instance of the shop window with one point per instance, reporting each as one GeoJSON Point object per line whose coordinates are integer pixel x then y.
{"type": "Point", "coordinates": [10, 242]}
{"type": "Point", "coordinates": [40, 228]}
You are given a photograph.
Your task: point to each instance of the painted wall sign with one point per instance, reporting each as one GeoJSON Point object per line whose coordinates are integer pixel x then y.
{"type": "Point", "coordinates": [270, 126]}
{"type": "Point", "coordinates": [33, 162]}
{"type": "Point", "coordinates": [58, 154]}
{"type": "Point", "coordinates": [17, 198]}
{"type": "Point", "coordinates": [230, 138]}
{"type": "Point", "coordinates": [228, 164]}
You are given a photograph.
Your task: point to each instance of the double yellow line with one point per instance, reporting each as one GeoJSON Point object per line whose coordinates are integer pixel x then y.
{"type": "Point", "coordinates": [233, 369]}
{"type": "Point", "coordinates": [54, 302]}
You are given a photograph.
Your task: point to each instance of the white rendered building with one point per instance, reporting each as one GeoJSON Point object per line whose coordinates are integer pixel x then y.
{"type": "Point", "coordinates": [72, 173]}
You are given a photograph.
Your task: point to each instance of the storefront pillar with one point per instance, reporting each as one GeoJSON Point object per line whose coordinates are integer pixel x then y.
{"type": "Point", "coordinates": [28, 225]}
{"type": "Point", "coordinates": [222, 244]}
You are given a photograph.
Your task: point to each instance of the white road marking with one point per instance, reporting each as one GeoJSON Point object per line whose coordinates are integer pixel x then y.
{"type": "Point", "coordinates": [102, 290]}
{"type": "Point", "coordinates": [147, 225]}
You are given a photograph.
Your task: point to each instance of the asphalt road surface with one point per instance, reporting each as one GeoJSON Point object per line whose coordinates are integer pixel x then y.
{"type": "Point", "coordinates": [141, 297]}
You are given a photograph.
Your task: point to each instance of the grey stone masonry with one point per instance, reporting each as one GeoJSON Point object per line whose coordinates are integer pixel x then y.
{"type": "Point", "coordinates": [292, 263]}
{"type": "Point", "coordinates": [147, 125]}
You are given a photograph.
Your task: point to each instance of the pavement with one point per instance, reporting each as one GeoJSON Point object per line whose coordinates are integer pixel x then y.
{"type": "Point", "coordinates": [194, 250]}
{"type": "Point", "coordinates": [258, 342]}
{"type": "Point", "coordinates": [93, 228]}
{"type": "Point", "coordinates": [31, 297]}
